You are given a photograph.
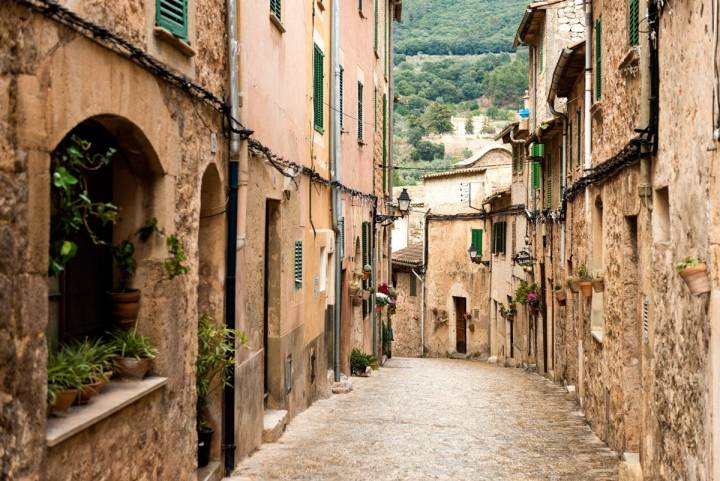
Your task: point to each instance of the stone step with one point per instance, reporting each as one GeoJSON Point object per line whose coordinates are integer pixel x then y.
{"type": "Point", "coordinates": [458, 355]}
{"type": "Point", "coordinates": [212, 472]}
{"type": "Point", "coordinates": [274, 422]}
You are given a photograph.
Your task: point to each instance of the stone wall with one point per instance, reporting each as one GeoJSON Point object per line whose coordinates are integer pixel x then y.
{"type": "Point", "coordinates": [407, 340]}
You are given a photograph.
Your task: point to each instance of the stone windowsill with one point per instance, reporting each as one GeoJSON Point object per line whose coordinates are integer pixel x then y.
{"type": "Point", "coordinates": [631, 58]}
{"type": "Point", "coordinates": [598, 335]}
{"type": "Point", "coordinates": [116, 396]}
{"type": "Point", "coordinates": [277, 22]}
{"type": "Point", "coordinates": [167, 37]}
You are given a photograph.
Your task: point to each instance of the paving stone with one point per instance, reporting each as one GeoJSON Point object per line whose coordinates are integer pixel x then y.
{"type": "Point", "coordinates": [439, 419]}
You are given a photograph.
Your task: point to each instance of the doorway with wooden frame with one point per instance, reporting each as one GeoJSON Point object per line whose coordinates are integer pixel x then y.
{"type": "Point", "coordinates": [460, 324]}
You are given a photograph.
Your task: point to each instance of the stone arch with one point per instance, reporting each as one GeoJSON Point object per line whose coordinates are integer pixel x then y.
{"type": "Point", "coordinates": [211, 243]}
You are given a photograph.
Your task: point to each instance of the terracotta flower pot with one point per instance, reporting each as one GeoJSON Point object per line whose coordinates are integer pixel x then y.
{"type": "Point", "coordinates": [561, 296]}
{"type": "Point", "coordinates": [365, 275]}
{"type": "Point", "coordinates": [124, 307]}
{"type": "Point", "coordinates": [129, 367]}
{"type": "Point", "coordinates": [598, 285]}
{"type": "Point", "coordinates": [63, 400]}
{"type": "Point", "coordinates": [586, 287]}
{"type": "Point", "coordinates": [697, 279]}
{"type": "Point", "coordinates": [88, 391]}
{"type": "Point", "coordinates": [574, 286]}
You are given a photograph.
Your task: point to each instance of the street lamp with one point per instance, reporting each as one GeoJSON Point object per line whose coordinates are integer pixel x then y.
{"type": "Point", "coordinates": [403, 207]}
{"type": "Point", "coordinates": [475, 257]}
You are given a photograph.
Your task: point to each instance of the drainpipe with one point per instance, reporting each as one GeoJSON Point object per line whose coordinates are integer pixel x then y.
{"type": "Point", "coordinates": [373, 283]}
{"type": "Point", "coordinates": [336, 154]}
{"type": "Point", "coordinates": [232, 224]}
{"type": "Point", "coordinates": [422, 311]}
{"type": "Point", "coordinates": [425, 268]}
{"type": "Point", "coordinates": [645, 100]}
{"type": "Point", "coordinates": [563, 173]}
{"type": "Point", "coordinates": [589, 49]}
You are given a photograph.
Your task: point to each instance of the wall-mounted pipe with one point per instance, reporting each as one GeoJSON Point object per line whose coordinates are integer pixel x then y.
{"type": "Point", "coordinates": [422, 311]}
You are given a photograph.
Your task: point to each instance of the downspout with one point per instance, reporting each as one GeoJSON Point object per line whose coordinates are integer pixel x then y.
{"type": "Point", "coordinates": [563, 173]}
{"type": "Point", "coordinates": [373, 285]}
{"type": "Point", "coordinates": [232, 225]}
{"type": "Point", "coordinates": [422, 311]}
{"type": "Point", "coordinates": [336, 195]}
{"type": "Point", "coordinates": [646, 96]}
{"type": "Point", "coordinates": [589, 49]}
{"type": "Point", "coordinates": [425, 268]}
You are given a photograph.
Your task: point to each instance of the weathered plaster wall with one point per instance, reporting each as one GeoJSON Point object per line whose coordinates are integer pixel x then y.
{"type": "Point", "coordinates": [406, 321]}
{"type": "Point", "coordinates": [450, 273]}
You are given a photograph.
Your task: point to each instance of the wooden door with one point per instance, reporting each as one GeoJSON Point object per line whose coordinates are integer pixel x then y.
{"type": "Point", "coordinates": [460, 324]}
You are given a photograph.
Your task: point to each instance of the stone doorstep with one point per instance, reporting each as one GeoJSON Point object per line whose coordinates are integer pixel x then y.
{"type": "Point", "coordinates": [211, 472]}
{"type": "Point", "coordinates": [630, 469]}
{"type": "Point", "coordinates": [274, 422]}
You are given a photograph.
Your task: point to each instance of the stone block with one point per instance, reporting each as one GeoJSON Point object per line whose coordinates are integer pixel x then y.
{"type": "Point", "coordinates": [31, 108]}
{"type": "Point", "coordinates": [33, 314]}
{"type": "Point", "coordinates": [38, 211]}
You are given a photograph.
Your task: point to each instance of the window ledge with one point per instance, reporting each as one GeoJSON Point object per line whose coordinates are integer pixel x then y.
{"type": "Point", "coordinates": [117, 395]}
{"type": "Point", "coordinates": [277, 22]}
{"type": "Point", "coordinates": [630, 60]}
{"type": "Point", "coordinates": [598, 335]}
{"type": "Point", "coordinates": [167, 36]}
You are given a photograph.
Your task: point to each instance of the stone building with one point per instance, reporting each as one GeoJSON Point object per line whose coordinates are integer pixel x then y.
{"type": "Point", "coordinates": [407, 323]}
{"type": "Point", "coordinates": [152, 83]}
{"type": "Point", "coordinates": [632, 147]}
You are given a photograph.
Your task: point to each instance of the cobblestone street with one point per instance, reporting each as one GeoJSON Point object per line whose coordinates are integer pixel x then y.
{"type": "Point", "coordinates": [438, 419]}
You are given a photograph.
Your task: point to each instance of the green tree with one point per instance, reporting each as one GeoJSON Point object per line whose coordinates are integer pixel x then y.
{"type": "Point", "coordinates": [428, 151]}
{"type": "Point", "coordinates": [437, 118]}
{"type": "Point", "coordinates": [469, 125]}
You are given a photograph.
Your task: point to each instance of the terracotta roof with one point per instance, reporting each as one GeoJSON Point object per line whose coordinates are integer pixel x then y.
{"type": "Point", "coordinates": [474, 159]}
{"type": "Point", "coordinates": [411, 256]}
{"type": "Point", "coordinates": [450, 173]}
{"type": "Point", "coordinates": [570, 65]}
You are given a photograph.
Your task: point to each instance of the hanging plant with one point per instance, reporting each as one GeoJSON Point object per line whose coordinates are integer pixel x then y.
{"type": "Point", "coordinates": [73, 209]}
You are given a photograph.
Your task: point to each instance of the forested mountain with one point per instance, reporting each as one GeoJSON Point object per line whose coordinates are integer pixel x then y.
{"type": "Point", "coordinates": [457, 27]}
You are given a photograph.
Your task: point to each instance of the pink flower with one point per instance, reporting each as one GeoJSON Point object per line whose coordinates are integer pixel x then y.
{"type": "Point", "coordinates": [532, 296]}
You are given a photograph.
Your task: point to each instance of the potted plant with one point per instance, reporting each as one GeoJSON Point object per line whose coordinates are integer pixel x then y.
{"type": "Point", "coordinates": [572, 284]}
{"type": "Point", "coordinates": [134, 353]}
{"type": "Point", "coordinates": [355, 290]}
{"type": "Point", "coordinates": [695, 274]}
{"type": "Point", "coordinates": [584, 281]}
{"type": "Point", "coordinates": [63, 382]}
{"type": "Point", "coordinates": [124, 301]}
{"type": "Point", "coordinates": [361, 363]}
{"type": "Point", "coordinates": [598, 283]}
{"type": "Point", "coordinates": [560, 295]}
{"type": "Point", "coordinates": [216, 357]}
{"type": "Point", "coordinates": [367, 270]}
{"type": "Point", "coordinates": [94, 364]}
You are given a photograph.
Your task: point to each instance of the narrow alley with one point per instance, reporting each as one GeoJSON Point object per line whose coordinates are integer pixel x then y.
{"type": "Point", "coordinates": [438, 419]}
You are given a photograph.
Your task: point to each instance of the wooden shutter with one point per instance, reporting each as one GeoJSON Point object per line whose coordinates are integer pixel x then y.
{"type": "Point", "coordinates": [634, 22]}
{"type": "Point", "coordinates": [360, 115]}
{"type": "Point", "coordinates": [413, 285]}
{"type": "Point", "coordinates": [579, 136]}
{"type": "Point", "coordinates": [318, 80]}
{"type": "Point", "coordinates": [535, 175]}
{"type": "Point", "coordinates": [384, 141]}
{"type": "Point", "coordinates": [298, 264]}
{"type": "Point", "coordinates": [598, 59]}
{"type": "Point", "coordinates": [342, 97]}
{"type": "Point", "coordinates": [172, 16]}
{"type": "Point", "coordinates": [276, 8]}
{"type": "Point", "coordinates": [365, 253]}
{"type": "Point", "coordinates": [541, 56]}
{"type": "Point", "coordinates": [548, 183]}
{"type": "Point", "coordinates": [477, 240]}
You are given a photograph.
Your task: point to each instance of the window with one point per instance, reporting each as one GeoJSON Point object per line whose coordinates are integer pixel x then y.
{"type": "Point", "coordinates": [375, 109]}
{"type": "Point", "coordinates": [634, 22]}
{"type": "Point", "coordinates": [298, 264]}
{"type": "Point", "coordinates": [499, 229]}
{"type": "Point", "coordinates": [413, 285]}
{"type": "Point", "coordinates": [323, 270]}
{"type": "Point", "coordinates": [318, 80]}
{"type": "Point", "coordinates": [661, 215]}
{"type": "Point", "coordinates": [598, 59]}
{"type": "Point", "coordinates": [172, 15]}
{"type": "Point", "coordinates": [342, 98]}
{"type": "Point", "coordinates": [477, 240]}
{"type": "Point", "coordinates": [579, 136]}
{"type": "Point", "coordinates": [535, 181]}
{"type": "Point", "coordinates": [541, 56]}
{"type": "Point", "coordinates": [360, 5]}
{"type": "Point", "coordinates": [360, 116]}
{"type": "Point", "coordinates": [276, 8]}
{"type": "Point", "coordinates": [548, 183]}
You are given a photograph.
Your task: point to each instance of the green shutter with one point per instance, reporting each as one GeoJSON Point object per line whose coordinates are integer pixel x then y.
{"type": "Point", "coordinates": [535, 174]}
{"type": "Point", "coordinates": [298, 264]}
{"type": "Point", "coordinates": [548, 184]}
{"type": "Point", "coordinates": [172, 15]}
{"type": "Point", "coordinates": [376, 25]}
{"type": "Point", "coordinates": [360, 113]}
{"type": "Point", "coordinates": [342, 97]}
{"type": "Point", "coordinates": [579, 136]}
{"type": "Point", "coordinates": [375, 110]}
{"type": "Point", "coordinates": [598, 59]}
{"type": "Point", "coordinates": [541, 56]}
{"type": "Point", "coordinates": [365, 252]}
{"type": "Point", "coordinates": [318, 80]}
{"type": "Point", "coordinates": [634, 22]}
{"type": "Point", "coordinates": [477, 240]}
{"type": "Point", "coordinates": [384, 141]}
{"type": "Point", "coordinates": [276, 8]}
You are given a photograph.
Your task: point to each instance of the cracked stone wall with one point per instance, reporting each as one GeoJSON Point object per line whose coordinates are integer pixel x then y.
{"type": "Point", "coordinates": [51, 79]}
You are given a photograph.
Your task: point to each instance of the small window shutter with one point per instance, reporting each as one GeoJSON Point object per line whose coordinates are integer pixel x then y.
{"type": "Point", "coordinates": [365, 244]}
{"type": "Point", "coordinates": [541, 56]}
{"type": "Point", "coordinates": [535, 175]}
{"type": "Point", "coordinates": [172, 16]}
{"type": "Point", "coordinates": [384, 141]}
{"type": "Point", "coordinates": [342, 97]}
{"type": "Point", "coordinates": [298, 264]}
{"type": "Point", "coordinates": [318, 80]}
{"type": "Point", "coordinates": [634, 22]}
{"type": "Point", "coordinates": [598, 59]}
{"type": "Point", "coordinates": [413, 285]}
{"type": "Point", "coordinates": [579, 136]}
{"type": "Point", "coordinates": [360, 115]}
{"type": "Point", "coordinates": [477, 235]}
{"type": "Point", "coordinates": [276, 8]}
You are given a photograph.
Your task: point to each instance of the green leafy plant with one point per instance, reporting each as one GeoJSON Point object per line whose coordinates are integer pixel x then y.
{"type": "Point", "coordinates": [124, 256]}
{"type": "Point", "coordinates": [175, 264]}
{"type": "Point", "coordinates": [216, 354]}
{"type": "Point", "coordinates": [367, 268]}
{"type": "Point", "coordinates": [558, 287]}
{"type": "Point", "coordinates": [93, 359]}
{"type": "Point", "coordinates": [73, 209]}
{"type": "Point", "coordinates": [131, 344]}
{"type": "Point", "coordinates": [527, 293]}
{"type": "Point", "coordinates": [360, 361]}
{"type": "Point", "coordinates": [583, 274]}
{"type": "Point", "coordinates": [62, 374]}
{"type": "Point", "coordinates": [688, 262]}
